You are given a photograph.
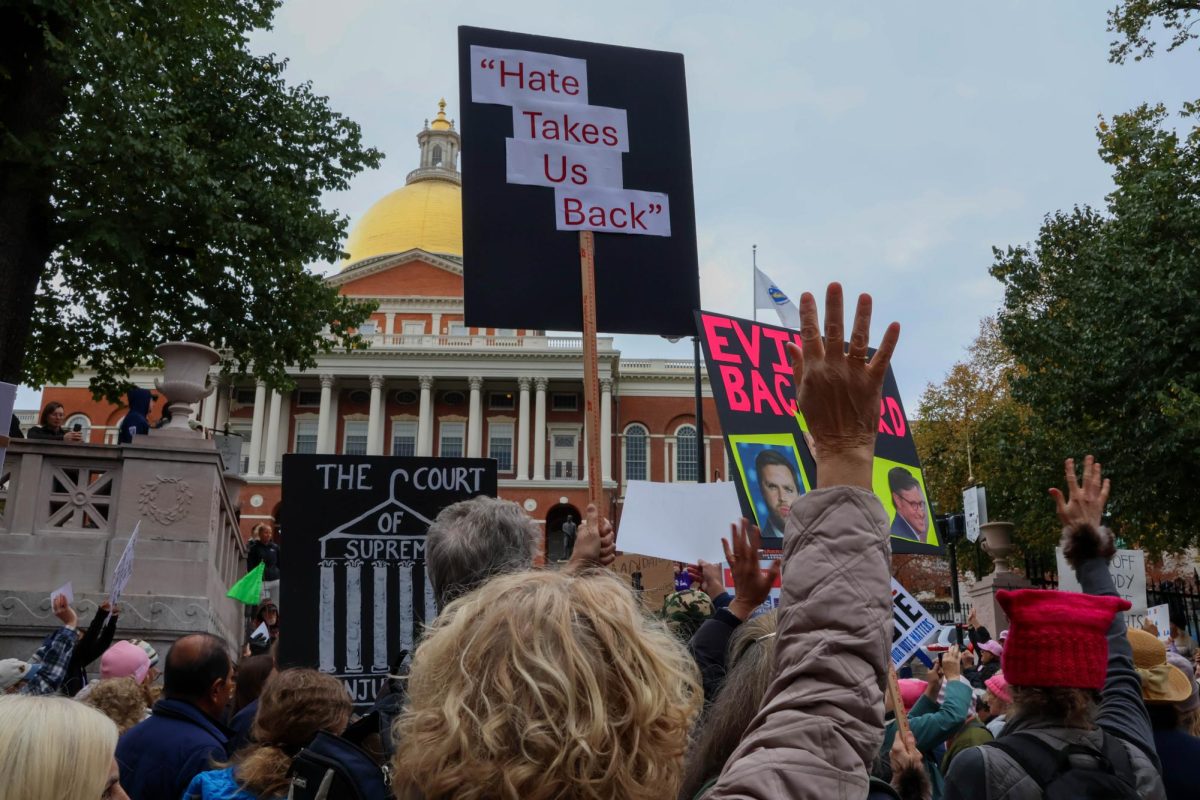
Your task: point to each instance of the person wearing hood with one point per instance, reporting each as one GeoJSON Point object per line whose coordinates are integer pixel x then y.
{"type": "Point", "coordinates": [135, 421]}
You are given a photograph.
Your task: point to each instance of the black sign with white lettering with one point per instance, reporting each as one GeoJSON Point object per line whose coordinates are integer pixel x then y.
{"type": "Point", "coordinates": [352, 578]}
{"type": "Point", "coordinates": [560, 136]}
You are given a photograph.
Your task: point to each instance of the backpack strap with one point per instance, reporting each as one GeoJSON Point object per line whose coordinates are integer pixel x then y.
{"type": "Point", "coordinates": [1039, 760]}
{"type": "Point", "coordinates": [1115, 751]}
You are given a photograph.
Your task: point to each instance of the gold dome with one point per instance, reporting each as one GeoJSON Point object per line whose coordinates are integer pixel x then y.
{"type": "Point", "coordinates": [425, 214]}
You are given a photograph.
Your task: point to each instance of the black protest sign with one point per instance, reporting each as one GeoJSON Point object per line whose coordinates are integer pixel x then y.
{"type": "Point", "coordinates": [752, 386]}
{"type": "Point", "coordinates": [353, 582]}
{"type": "Point", "coordinates": [560, 136]}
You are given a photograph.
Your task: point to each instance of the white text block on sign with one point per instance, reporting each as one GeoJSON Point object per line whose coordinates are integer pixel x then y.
{"type": "Point", "coordinates": [612, 211]}
{"type": "Point", "coordinates": [592, 126]}
{"type": "Point", "coordinates": [506, 77]}
{"type": "Point", "coordinates": [550, 164]}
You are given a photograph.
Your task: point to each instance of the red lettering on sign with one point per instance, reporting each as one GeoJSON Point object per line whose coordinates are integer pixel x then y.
{"type": "Point", "coordinates": [565, 128]}
{"type": "Point", "coordinates": [780, 338]}
{"type": "Point", "coordinates": [558, 172]}
{"type": "Point", "coordinates": [896, 415]}
{"type": "Point", "coordinates": [716, 342]}
{"type": "Point", "coordinates": [734, 388]}
{"type": "Point", "coordinates": [763, 395]}
{"type": "Point", "coordinates": [572, 211]}
{"type": "Point", "coordinates": [751, 345]}
{"type": "Point", "coordinates": [783, 390]}
{"type": "Point", "coordinates": [536, 81]}
{"type": "Point", "coordinates": [883, 428]}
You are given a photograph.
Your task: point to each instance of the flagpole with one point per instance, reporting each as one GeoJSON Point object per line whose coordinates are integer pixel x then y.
{"type": "Point", "coordinates": [754, 280]}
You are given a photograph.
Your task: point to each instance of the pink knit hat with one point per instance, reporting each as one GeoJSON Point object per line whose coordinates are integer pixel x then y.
{"type": "Point", "coordinates": [910, 691]}
{"type": "Point", "coordinates": [999, 687]}
{"type": "Point", "coordinates": [1057, 638]}
{"type": "Point", "coordinates": [124, 660]}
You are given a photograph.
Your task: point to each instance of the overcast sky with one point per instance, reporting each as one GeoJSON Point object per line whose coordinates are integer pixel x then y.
{"type": "Point", "coordinates": [886, 145]}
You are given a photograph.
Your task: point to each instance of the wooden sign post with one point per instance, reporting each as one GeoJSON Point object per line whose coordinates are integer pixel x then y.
{"type": "Point", "coordinates": [591, 376]}
{"type": "Point", "coordinates": [893, 688]}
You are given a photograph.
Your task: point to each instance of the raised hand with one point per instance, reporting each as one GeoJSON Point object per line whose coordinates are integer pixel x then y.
{"type": "Point", "coordinates": [751, 586]}
{"type": "Point", "coordinates": [952, 664]}
{"type": "Point", "coordinates": [595, 541]}
{"type": "Point", "coordinates": [63, 610]}
{"type": "Point", "coordinates": [838, 392]}
{"type": "Point", "coordinates": [1085, 500]}
{"type": "Point", "coordinates": [707, 577]}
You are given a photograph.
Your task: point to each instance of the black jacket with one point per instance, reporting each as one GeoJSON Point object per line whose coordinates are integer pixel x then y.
{"type": "Point", "coordinates": [95, 641]}
{"type": "Point", "coordinates": [267, 554]}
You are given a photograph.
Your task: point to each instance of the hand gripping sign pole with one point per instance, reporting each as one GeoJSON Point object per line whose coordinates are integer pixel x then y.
{"type": "Point", "coordinates": [591, 377]}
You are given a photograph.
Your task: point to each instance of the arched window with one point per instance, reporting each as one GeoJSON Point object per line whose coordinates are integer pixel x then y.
{"type": "Point", "coordinates": [685, 453]}
{"type": "Point", "coordinates": [437, 155]}
{"type": "Point", "coordinates": [637, 453]}
{"type": "Point", "coordinates": [85, 425]}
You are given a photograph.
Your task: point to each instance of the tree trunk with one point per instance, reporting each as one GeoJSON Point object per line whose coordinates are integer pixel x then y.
{"type": "Point", "coordinates": [32, 101]}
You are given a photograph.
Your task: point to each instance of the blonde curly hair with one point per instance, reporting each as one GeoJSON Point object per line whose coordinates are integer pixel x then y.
{"type": "Point", "coordinates": [544, 685]}
{"type": "Point", "coordinates": [123, 700]}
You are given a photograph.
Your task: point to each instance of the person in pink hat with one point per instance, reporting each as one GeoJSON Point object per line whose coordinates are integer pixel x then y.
{"type": "Point", "coordinates": [1077, 726]}
{"type": "Point", "coordinates": [124, 660]}
{"type": "Point", "coordinates": [999, 698]}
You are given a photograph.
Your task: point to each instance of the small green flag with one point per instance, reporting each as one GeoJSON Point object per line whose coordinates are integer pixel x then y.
{"type": "Point", "coordinates": [249, 589]}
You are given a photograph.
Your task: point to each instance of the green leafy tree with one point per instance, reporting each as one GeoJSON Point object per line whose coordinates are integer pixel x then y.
{"type": "Point", "coordinates": [1134, 22]}
{"type": "Point", "coordinates": [159, 181]}
{"type": "Point", "coordinates": [1100, 314]}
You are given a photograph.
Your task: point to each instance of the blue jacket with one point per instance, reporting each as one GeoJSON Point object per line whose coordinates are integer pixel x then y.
{"type": "Point", "coordinates": [217, 784]}
{"type": "Point", "coordinates": [135, 419]}
{"type": "Point", "coordinates": [1180, 756]}
{"type": "Point", "coordinates": [160, 756]}
{"type": "Point", "coordinates": [240, 726]}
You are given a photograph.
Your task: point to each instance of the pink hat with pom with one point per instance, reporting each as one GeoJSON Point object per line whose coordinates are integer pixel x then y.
{"type": "Point", "coordinates": [998, 686]}
{"type": "Point", "coordinates": [911, 690]}
{"type": "Point", "coordinates": [124, 660]}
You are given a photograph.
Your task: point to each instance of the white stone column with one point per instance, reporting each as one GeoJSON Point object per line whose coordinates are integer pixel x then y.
{"type": "Point", "coordinates": [389, 326]}
{"type": "Point", "coordinates": [436, 329]}
{"type": "Point", "coordinates": [606, 428]}
{"type": "Point", "coordinates": [539, 430]}
{"type": "Point", "coordinates": [222, 406]}
{"type": "Point", "coordinates": [375, 420]}
{"type": "Point", "coordinates": [272, 450]}
{"type": "Point", "coordinates": [523, 431]}
{"type": "Point", "coordinates": [425, 420]}
{"type": "Point", "coordinates": [475, 419]}
{"type": "Point", "coordinates": [256, 429]}
{"type": "Point", "coordinates": [324, 435]}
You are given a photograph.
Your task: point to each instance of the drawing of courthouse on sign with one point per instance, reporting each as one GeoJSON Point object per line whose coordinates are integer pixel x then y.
{"type": "Point", "coordinates": [372, 576]}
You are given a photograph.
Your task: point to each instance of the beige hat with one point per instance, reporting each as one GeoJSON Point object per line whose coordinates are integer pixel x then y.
{"type": "Point", "coordinates": [12, 671]}
{"type": "Point", "coordinates": [1161, 682]}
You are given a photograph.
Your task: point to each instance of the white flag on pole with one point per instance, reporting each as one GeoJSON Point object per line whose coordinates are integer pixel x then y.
{"type": "Point", "coordinates": [768, 295]}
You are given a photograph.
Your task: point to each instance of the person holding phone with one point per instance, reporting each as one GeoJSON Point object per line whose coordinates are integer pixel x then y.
{"type": "Point", "coordinates": [50, 425]}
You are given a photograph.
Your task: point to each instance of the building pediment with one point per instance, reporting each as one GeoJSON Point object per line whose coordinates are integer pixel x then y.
{"type": "Point", "coordinates": [379, 264]}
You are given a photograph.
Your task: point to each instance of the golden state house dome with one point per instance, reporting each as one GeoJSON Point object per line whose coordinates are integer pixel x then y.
{"type": "Point", "coordinates": [425, 213]}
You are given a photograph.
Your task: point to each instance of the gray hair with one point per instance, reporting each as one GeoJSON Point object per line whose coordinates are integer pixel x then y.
{"type": "Point", "coordinates": [474, 540]}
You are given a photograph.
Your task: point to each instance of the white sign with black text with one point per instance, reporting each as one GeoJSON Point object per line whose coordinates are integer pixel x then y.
{"type": "Point", "coordinates": [912, 625]}
{"type": "Point", "coordinates": [1128, 570]}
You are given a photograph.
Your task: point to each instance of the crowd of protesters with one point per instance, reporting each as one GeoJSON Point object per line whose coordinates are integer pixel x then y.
{"type": "Point", "coordinates": [554, 683]}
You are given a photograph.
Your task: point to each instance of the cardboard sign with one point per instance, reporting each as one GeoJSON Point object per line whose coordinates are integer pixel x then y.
{"type": "Point", "coordinates": [678, 521]}
{"type": "Point", "coordinates": [560, 136]}
{"type": "Point", "coordinates": [124, 568]}
{"type": "Point", "coordinates": [1128, 570]}
{"type": "Point", "coordinates": [912, 625]}
{"type": "Point", "coordinates": [752, 386]}
{"type": "Point", "coordinates": [356, 591]}
{"type": "Point", "coordinates": [1161, 617]}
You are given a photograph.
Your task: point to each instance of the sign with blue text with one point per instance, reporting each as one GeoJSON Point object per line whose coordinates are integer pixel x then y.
{"type": "Point", "coordinates": [912, 625]}
{"type": "Point", "coordinates": [354, 591]}
{"type": "Point", "coordinates": [561, 136]}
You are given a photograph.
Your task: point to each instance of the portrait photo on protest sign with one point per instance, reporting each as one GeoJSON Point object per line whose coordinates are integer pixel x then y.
{"type": "Point", "coordinates": [354, 586]}
{"type": "Point", "coordinates": [752, 386]}
{"type": "Point", "coordinates": [772, 479]}
{"type": "Point", "coordinates": [560, 136]}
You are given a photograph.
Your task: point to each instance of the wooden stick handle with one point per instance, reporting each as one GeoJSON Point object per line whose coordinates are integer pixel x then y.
{"type": "Point", "coordinates": [591, 377]}
{"type": "Point", "coordinates": [893, 688]}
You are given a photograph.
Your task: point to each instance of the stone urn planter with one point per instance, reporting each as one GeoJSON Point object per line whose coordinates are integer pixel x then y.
{"type": "Point", "coordinates": [184, 382]}
{"type": "Point", "coordinates": [996, 540]}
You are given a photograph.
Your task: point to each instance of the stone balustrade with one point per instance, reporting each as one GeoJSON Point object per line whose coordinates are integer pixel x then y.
{"type": "Point", "coordinates": [66, 513]}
